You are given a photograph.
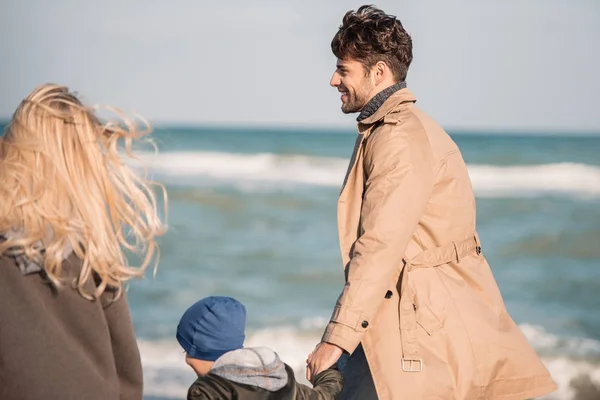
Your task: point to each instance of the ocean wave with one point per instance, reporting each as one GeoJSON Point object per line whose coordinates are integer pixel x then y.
{"type": "Point", "coordinates": [265, 167]}
{"type": "Point", "coordinates": [572, 362]}
{"type": "Point", "coordinates": [550, 344]}
{"type": "Point", "coordinates": [524, 180]}
{"type": "Point", "coordinates": [250, 170]}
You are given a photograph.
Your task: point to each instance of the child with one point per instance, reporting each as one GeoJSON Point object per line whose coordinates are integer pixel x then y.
{"type": "Point", "coordinates": [212, 333]}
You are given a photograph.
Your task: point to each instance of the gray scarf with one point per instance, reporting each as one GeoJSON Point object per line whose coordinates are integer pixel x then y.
{"type": "Point", "coordinates": [26, 265]}
{"type": "Point", "coordinates": [377, 101]}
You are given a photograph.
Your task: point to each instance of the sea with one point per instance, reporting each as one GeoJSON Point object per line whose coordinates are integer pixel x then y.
{"type": "Point", "coordinates": [252, 215]}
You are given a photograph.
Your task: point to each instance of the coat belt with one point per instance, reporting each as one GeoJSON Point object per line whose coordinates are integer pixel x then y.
{"type": "Point", "coordinates": [435, 257]}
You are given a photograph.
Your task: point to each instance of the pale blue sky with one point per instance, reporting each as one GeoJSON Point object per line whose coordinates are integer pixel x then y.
{"type": "Point", "coordinates": [501, 65]}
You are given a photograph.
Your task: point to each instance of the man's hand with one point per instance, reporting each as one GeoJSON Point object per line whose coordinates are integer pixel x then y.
{"type": "Point", "coordinates": [322, 357]}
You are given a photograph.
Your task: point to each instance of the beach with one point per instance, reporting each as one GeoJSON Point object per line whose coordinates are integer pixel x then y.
{"type": "Point", "coordinates": [253, 216]}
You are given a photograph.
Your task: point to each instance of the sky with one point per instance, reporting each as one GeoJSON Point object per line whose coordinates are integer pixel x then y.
{"type": "Point", "coordinates": [503, 65]}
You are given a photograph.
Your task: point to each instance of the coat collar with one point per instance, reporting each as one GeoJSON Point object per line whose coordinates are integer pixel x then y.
{"type": "Point", "coordinates": [391, 104]}
{"type": "Point", "coordinates": [380, 98]}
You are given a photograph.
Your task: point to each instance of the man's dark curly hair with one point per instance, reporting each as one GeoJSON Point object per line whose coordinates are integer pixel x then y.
{"type": "Point", "coordinates": [369, 35]}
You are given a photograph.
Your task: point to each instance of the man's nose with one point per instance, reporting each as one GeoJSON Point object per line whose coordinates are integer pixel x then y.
{"type": "Point", "coordinates": [335, 80]}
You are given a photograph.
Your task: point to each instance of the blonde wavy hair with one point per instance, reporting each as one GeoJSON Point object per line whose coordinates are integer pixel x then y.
{"type": "Point", "coordinates": [64, 184]}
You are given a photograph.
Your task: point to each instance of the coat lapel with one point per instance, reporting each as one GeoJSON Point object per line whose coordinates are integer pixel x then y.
{"type": "Point", "coordinates": [349, 202]}
{"type": "Point", "coordinates": [353, 161]}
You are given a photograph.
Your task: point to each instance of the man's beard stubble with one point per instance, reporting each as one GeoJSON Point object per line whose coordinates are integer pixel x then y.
{"type": "Point", "coordinates": [352, 106]}
{"type": "Point", "coordinates": [357, 100]}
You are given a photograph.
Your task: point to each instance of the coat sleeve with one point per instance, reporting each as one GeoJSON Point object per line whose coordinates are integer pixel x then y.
{"type": "Point", "coordinates": [125, 349]}
{"type": "Point", "coordinates": [199, 391]}
{"type": "Point", "coordinates": [399, 181]}
{"type": "Point", "coordinates": [327, 386]}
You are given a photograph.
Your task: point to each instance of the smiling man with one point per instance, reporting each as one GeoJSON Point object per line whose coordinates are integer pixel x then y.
{"type": "Point", "coordinates": [420, 314]}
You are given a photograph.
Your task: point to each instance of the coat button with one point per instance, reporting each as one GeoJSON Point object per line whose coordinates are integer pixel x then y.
{"type": "Point", "coordinates": [364, 324]}
{"type": "Point", "coordinates": [389, 294]}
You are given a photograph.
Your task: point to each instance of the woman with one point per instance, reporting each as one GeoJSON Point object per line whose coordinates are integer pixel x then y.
{"type": "Point", "coordinates": [69, 207]}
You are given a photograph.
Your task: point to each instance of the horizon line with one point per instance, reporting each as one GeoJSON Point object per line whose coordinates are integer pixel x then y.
{"type": "Point", "coordinates": [296, 127]}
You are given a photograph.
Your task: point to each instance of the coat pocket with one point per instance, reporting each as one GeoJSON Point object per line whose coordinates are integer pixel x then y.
{"type": "Point", "coordinates": [426, 319]}
{"type": "Point", "coordinates": [429, 300]}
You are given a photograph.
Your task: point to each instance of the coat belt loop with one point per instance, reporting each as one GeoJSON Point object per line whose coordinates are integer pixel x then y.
{"type": "Point", "coordinates": [456, 252]}
{"type": "Point", "coordinates": [408, 326]}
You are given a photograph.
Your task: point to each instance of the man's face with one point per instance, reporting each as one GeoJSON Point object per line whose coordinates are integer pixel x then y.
{"type": "Point", "coordinates": [355, 86]}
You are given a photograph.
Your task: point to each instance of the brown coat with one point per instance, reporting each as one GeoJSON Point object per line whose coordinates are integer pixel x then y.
{"type": "Point", "coordinates": [419, 293]}
{"type": "Point", "coordinates": [54, 344]}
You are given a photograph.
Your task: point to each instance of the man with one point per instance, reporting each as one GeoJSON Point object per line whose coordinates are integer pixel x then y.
{"type": "Point", "coordinates": [420, 313]}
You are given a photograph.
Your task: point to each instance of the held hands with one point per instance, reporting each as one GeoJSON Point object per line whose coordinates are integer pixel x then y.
{"type": "Point", "coordinates": [322, 357]}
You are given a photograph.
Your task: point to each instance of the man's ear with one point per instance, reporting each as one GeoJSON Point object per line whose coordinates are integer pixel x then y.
{"type": "Point", "coordinates": [380, 72]}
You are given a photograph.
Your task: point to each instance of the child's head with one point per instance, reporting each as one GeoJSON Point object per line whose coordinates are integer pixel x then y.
{"type": "Point", "coordinates": [210, 328]}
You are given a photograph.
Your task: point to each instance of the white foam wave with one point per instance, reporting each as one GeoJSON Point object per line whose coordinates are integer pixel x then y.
{"type": "Point", "coordinates": [575, 379]}
{"type": "Point", "coordinates": [247, 169]}
{"type": "Point", "coordinates": [265, 167]}
{"type": "Point", "coordinates": [567, 359]}
{"type": "Point", "coordinates": [165, 372]}
{"type": "Point", "coordinates": [566, 178]}
{"type": "Point", "coordinates": [572, 362]}
{"type": "Point", "coordinates": [547, 343]}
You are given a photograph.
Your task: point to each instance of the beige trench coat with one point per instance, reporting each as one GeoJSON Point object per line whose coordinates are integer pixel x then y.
{"type": "Point", "coordinates": [419, 293]}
